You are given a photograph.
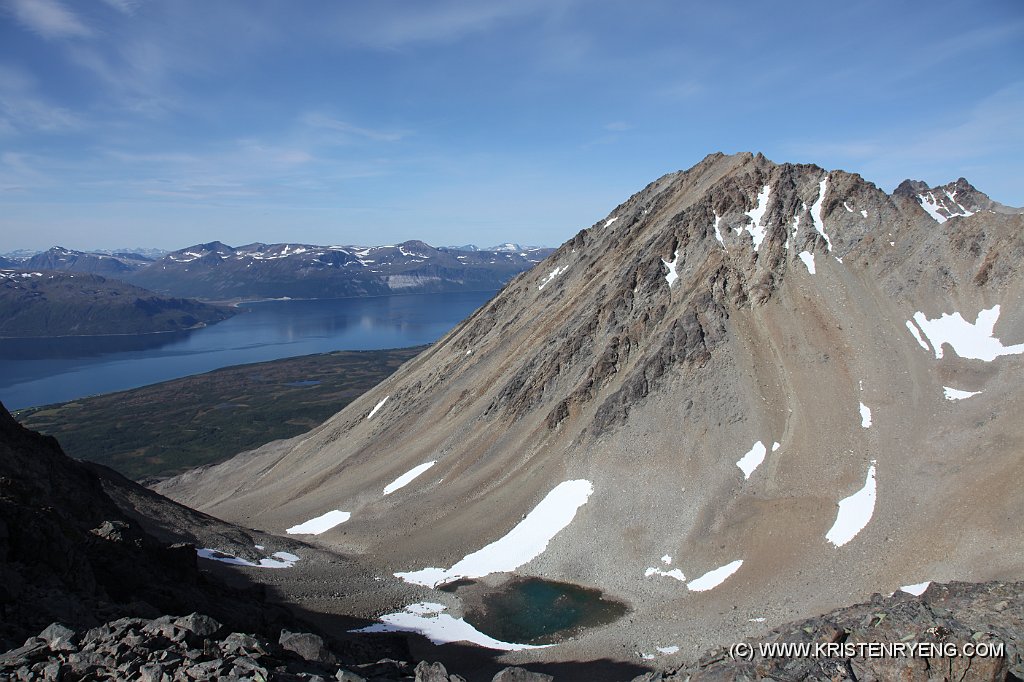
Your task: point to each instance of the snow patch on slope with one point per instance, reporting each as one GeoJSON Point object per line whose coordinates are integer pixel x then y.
{"type": "Point", "coordinates": [523, 543]}
{"type": "Point", "coordinates": [865, 416]}
{"type": "Point", "coordinates": [407, 478]}
{"type": "Point", "coordinates": [426, 619]}
{"type": "Point", "coordinates": [714, 578]}
{"type": "Point", "coordinates": [276, 560]}
{"type": "Point", "coordinates": [750, 461]}
{"type": "Point", "coordinates": [854, 512]}
{"type": "Point", "coordinates": [377, 407]}
{"type": "Point", "coordinates": [917, 335]}
{"type": "Point", "coordinates": [931, 206]}
{"type": "Point", "coordinates": [808, 258]}
{"type": "Point", "coordinates": [756, 215]}
{"type": "Point", "coordinates": [551, 275]}
{"type": "Point", "coordinates": [819, 224]}
{"type": "Point", "coordinates": [674, 573]}
{"type": "Point", "coordinates": [916, 589]}
{"type": "Point", "coordinates": [320, 524]}
{"type": "Point", "coordinates": [975, 341]}
{"type": "Point", "coordinates": [671, 276]}
{"type": "Point", "coordinates": [957, 394]}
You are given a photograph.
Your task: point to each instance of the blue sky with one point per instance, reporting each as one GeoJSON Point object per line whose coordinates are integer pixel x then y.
{"type": "Point", "coordinates": [170, 122]}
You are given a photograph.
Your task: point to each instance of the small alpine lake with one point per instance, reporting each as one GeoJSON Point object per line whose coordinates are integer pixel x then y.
{"type": "Point", "coordinates": [534, 610]}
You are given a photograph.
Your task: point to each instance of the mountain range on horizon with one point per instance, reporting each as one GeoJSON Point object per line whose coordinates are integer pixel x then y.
{"type": "Point", "coordinates": [753, 393]}
{"type": "Point", "coordinates": [216, 271]}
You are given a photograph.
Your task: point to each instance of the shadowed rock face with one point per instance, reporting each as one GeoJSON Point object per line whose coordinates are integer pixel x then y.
{"type": "Point", "coordinates": [736, 303]}
{"type": "Point", "coordinates": [69, 554]}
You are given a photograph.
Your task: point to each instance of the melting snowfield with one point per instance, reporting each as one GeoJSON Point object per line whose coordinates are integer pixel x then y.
{"type": "Point", "coordinates": [957, 394]}
{"type": "Point", "coordinates": [819, 224]}
{"type": "Point", "coordinates": [750, 461]}
{"type": "Point", "coordinates": [756, 215]}
{"type": "Point", "coordinates": [551, 275]}
{"type": "Point", "coordinates": [674, 573]}
{"type": "Point", "coordinates": [708, 581]}
{"type": "Point", "coordinates": [975, 341]}
{"type": "Point", "coordinates": [320, 524]}
{"type": "Point", "coordinates": [407, 478]}
{"type": "Point", "coordinates": [854, 512]}
{"type": "Point", "coordinates": [808, 258]}
{"type": "Point", "coordinates": [714, 578]}
{"type": "Point", "coordinates": [865, 416]}
{"type": "Point", "coordinates": [426, 619]}
{"type": "Point", "coordinates": [524, 542]}
{"type": "Point", "coordinates": [671, 276]}
{"type": "Point", "coordinates": [377, 407]}
{"type": "Point", "coordinates": [276, 560]}
{"type": "Point", "coordinates": [917, 589]}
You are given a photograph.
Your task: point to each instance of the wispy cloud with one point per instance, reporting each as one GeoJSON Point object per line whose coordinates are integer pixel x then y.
{"type": "Point", "coordinates": [49, 18]}
{"type": "Point", "coordinates": [390, 25]}
{"type": "Point", "coordinates": [618, 126]}
{"type": "Point", "coordinates": [684, 89]}
{"type": "Point", "coordinates": [988, 137]}
{"type": "Point", "coordinates": [321, 121]}
{"type": "Point", "coordinates": [124, 6]}
{"type": "Point", "coordinates": [28, 113]}
{"type": "Point", "coordinates": [23, 109]}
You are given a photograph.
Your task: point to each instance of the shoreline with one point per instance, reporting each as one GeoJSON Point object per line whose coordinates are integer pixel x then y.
{"type": "Point", "coordinates": [236, 302]}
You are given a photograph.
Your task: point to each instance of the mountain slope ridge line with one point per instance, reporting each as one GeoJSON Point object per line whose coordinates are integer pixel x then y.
{"type": "Point", "coordinates": [652, 390]}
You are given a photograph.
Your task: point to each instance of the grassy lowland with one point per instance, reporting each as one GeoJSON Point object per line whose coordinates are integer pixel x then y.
{"type": "Point", "coordinates": [166, 428]}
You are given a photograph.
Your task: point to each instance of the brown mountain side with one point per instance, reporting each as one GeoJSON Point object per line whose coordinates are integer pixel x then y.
{"type": "Point", "coordinates": [726, 358]}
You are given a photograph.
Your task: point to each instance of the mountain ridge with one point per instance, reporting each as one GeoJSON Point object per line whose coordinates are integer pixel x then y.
{"type": "Point", "coordinates": [742, 306]}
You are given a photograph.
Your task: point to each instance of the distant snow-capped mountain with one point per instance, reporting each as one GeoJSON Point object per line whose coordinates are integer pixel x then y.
{"type": "Point", "coordinates": [218, 271]}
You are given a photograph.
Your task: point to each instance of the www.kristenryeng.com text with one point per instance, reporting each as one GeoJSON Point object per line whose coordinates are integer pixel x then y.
{"type": "Point", "coordinates": [746, 651]}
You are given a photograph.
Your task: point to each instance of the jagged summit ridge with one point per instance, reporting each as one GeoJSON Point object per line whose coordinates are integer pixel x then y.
{"type": "Point", "coordinates": [784, 311]}
{"type": "Point", "coordinates": [959, 198]}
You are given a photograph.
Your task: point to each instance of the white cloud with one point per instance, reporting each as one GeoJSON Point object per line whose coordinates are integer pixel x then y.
{"type": "Point", "coordinates": [49, 19]}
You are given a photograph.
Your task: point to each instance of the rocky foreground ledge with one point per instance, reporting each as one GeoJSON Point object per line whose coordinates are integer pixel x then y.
{"type": "Point", "coordinates": [197, 647]}
{"type": "Point", "coordinates": [957, 631]}
{"type": "Point", "coordinates": [889, 638]}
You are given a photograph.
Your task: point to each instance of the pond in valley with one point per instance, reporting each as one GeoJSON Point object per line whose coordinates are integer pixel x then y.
{"type": "Point", "coordinates": [534, 610]}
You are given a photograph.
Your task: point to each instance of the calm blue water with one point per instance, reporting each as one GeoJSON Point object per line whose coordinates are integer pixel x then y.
{"type": "Point", "coordinates": [43, 371]}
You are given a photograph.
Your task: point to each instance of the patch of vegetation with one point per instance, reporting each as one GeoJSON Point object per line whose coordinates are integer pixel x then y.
{"type": "Point", "coordinates": [40, 304]}
{"type": "Point", "coordinates": [166, 428]}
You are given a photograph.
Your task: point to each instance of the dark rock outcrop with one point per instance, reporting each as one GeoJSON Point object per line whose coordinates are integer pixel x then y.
{"type": "Point", "coordinates": [959, 631]}
{"type": "Point", "coordinates": [192, 647]}
{"type": "Point", "coordinates": [68, 554]}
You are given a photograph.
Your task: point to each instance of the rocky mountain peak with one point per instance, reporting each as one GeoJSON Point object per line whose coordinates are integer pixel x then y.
{"type": "Point", "coordinates": [789, 312]}
{"type": "Point", "coordinates": [943, 202]}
